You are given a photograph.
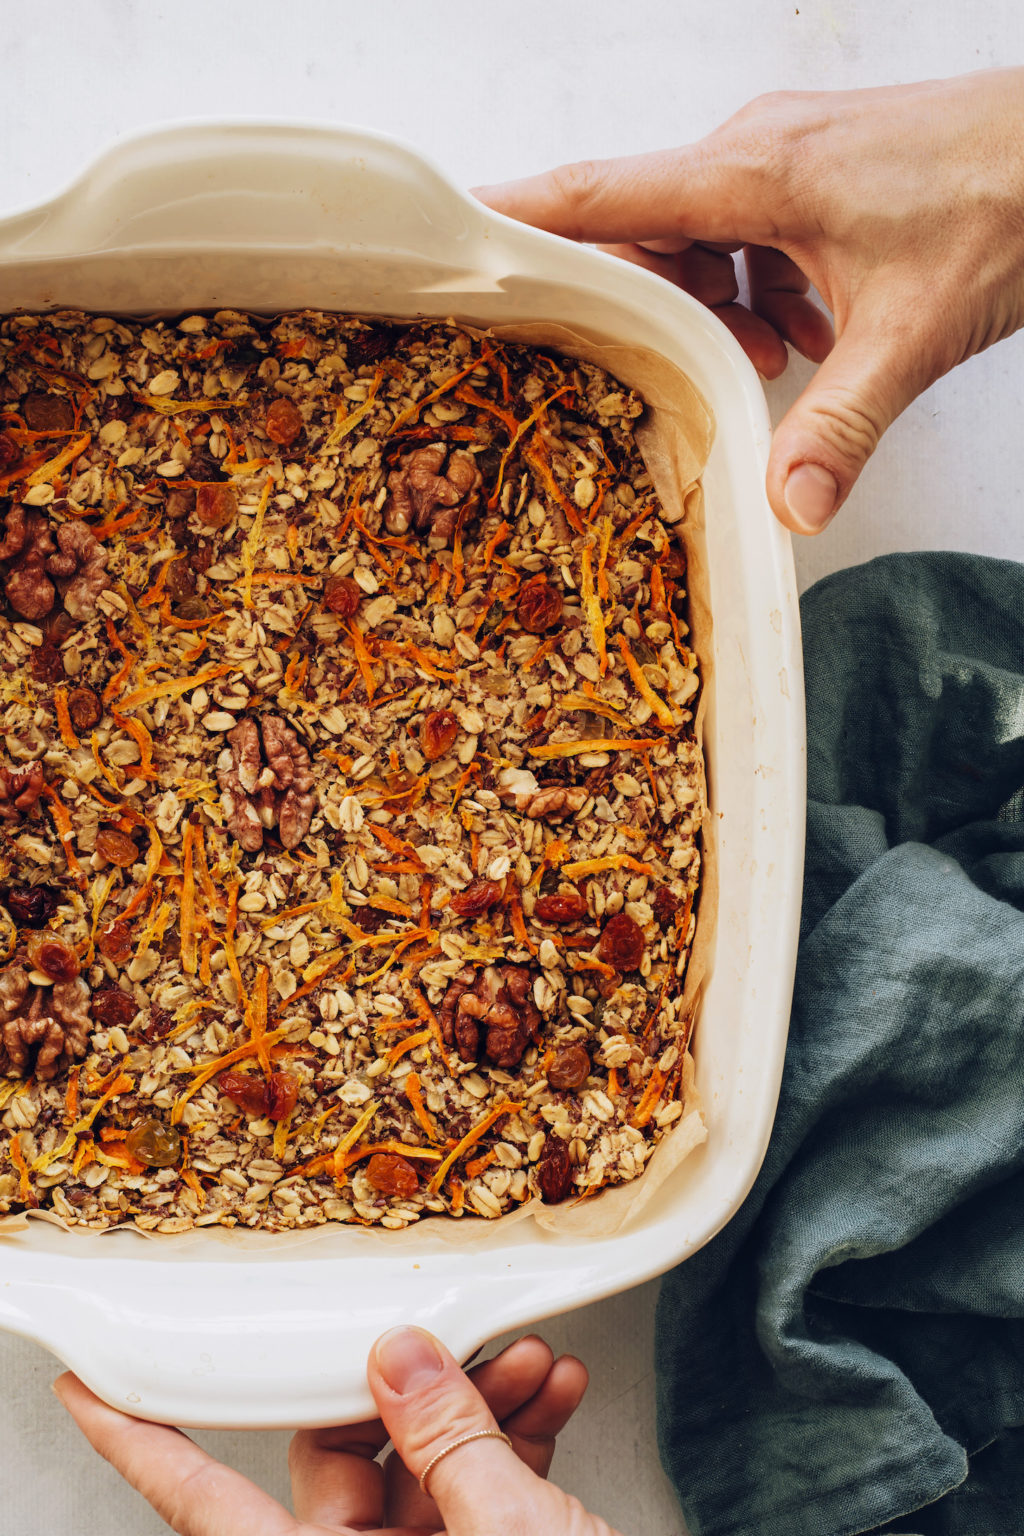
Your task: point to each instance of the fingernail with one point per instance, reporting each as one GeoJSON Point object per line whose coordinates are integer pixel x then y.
{"type": "Point", "coordinates": [811, 494]}
{"type": "Point", "coordinates": [408, 1358]}
{"type": "Point", "coordinates": [55, 1388]}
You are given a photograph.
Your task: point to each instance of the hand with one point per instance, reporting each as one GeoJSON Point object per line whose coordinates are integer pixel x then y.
{"type": "Point", "coordinates": [903, 206]}
{"type": "Point", "coordinates": [483, 1488]}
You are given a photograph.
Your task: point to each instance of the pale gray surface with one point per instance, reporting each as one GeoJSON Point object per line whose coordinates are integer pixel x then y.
{"type": "Point", "coordinates": [491, 91]}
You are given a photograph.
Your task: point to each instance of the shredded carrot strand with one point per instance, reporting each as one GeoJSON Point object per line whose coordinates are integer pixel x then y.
{"type": "Point", "coordinates": [666, 719]}
{"type": "Point", "coordinates": [211, 1068]}
{"type": "Point", "coordinates": [592, 744]}
{"type": "Point", "coordinates": [413, 1092]}
{"type": "Point", "coordinates": [470, 1139]}
{"type": "Point", "coordinates": [67, 730]}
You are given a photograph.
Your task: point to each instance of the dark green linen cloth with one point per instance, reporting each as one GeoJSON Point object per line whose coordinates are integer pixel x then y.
{"type": "Point", "coordinates": [848, 1354]}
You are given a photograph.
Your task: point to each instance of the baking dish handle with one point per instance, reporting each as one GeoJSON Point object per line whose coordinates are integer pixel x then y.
{"type": "Point", "coordinates": [243, 184]}
{"type": "Point", "coordinates": [278, 1344]}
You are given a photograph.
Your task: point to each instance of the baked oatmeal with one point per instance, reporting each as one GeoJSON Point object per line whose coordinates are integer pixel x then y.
{"type": "Point", "coordinates": [350, 796]}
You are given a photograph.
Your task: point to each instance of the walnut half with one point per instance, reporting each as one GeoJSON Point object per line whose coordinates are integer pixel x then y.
{"type": "Point", "coordinates": [265, 783]}
{"type": "Point", "coordinates": [42, 1029]}
{"type": "Point", "coordinates": [427, 494]}
{"type": "Point", "coordinates": [498, 1000]}
{"type": "Point", "coordinates": [20, 789]}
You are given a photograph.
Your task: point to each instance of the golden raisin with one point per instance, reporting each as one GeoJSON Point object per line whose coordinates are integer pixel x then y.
{"type": "Point", "coordinates": [115, 941]}
{"type": "Point", "coordinates": [570, 1068]}
{"type": "Point", "coordinates": [437, 734]}
{"type": "Point", "coordinates": [246, 1089]}
{"type": "Point", "coordinates": [216, 504]}
{"type": "Point", "coordinates": [153, 1143]}
{"type": "Point", "coordinates": [281, 1095]}
{"type": "Point", "coordinates": [85, 708]}
{"type": "Point", "coordinates": [283, 422]}
{"type": "Point", "coordinates": [539, 606]}
{"type": "Point", "coordinates": [116, 847]}
{"type": "Point", "coordinates": [476, 898]}
{"type": "Point", "coordinates": [52, 956]}
{"type": "Point", "coordinates": [622, 943]}
{"type": "Point", "coordinates": [342, 595]}
{"type": "Point", "coordinates": [392, 1175]}
{"type": "Point", "coordinates": [566, 907]}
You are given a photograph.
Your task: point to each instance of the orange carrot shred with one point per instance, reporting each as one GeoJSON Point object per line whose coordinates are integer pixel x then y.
{"type": "Point", "coordinates": [413, 1092]}
{"type": "Point", "coordinates": [18, 1159]}
{"type": "Point", "coordinates": [67, 730]}
{"type": "Point", "coordinates": [470, 1139]}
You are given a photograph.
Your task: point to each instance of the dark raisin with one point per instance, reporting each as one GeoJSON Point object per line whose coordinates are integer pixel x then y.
{"type": "Point", "coordinates": [112, 1006]}
{"type": "Point", "coordinates": [32, 906]}
{"type": "Point", "coordinates": [554, 1171]}
{"type": "Point", "coordinates": [47, 413]}
{"type": "Point", "coordinates": [46, 663]}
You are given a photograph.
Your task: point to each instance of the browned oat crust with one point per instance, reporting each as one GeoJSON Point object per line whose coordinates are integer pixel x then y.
{"type": "Point", "coordinates": [348, 759]}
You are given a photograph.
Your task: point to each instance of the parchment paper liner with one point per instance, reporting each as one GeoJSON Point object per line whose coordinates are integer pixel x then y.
{"type": "Point", "coordinates": [675, 440]}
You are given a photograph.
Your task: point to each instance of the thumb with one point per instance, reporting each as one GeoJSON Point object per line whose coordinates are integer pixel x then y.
{"type": "Point", "coordinates": [824, 441]}
{"type": "Point", "coordinates": [427, 1403]}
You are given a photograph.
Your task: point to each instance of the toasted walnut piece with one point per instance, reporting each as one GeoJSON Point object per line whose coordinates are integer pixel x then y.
{"type": "Point", "coordinates": [266, 783]}
{"type": "Point", "coordinates": [499, 1000]}
{"type": "Point", "coordinates": [553, 802]}
{"type": "Point", "coordinates": [539, 606]}
{"type": "Point", "coordinates": [47, 413]}
{"type": "Point", "coordinates": [427, 494]}
{"type": "Point", "coordinates": [50, 1022]}
{"type": "Point", "coordinates": [20, 789]}
{"type": "Point", "coordinates": [289, 762]}
{"type": "Point", "coordinates": [238, 771]}
{"type": "Point", "coordinates": [26, 545]}
{"type": "Point", "coordinates": [554, 1171]}
{"type": "Point", "coordinates": [83, 557]}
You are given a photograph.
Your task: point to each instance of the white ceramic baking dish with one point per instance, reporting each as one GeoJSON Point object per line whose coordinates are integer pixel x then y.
{"type": "Point", "coordinates": [273, 217]}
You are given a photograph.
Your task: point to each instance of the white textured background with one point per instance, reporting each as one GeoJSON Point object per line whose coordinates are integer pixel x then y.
{"type": "Point", "coordinates": [492, 90]}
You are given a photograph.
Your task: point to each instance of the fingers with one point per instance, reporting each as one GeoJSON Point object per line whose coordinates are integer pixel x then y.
{"type": "Point", "coordinates": [711, 191]}
{"type": "Point", "coordinates": [335, 1479]}
{"type": "Point", "coordinates": [820, 447]}
{"type": "Point", "coordinates": [191, 1492]}
{"type": "Point", "coordinates": [532, 1397]}
{"type": "Point", "coordinates": [777, 295]}
{"type": "Point", "coordinates": [710, 276]}
{"type": "Point", "coordinates": [427, 1403]}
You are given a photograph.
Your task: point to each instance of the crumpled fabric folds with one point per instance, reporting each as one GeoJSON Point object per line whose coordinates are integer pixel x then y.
{"type": "Point", "coordinates": [848, 1354]}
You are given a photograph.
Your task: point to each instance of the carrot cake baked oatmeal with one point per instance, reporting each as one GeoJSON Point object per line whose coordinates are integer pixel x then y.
{"type": "Point", "coordinates": [350, 796]}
